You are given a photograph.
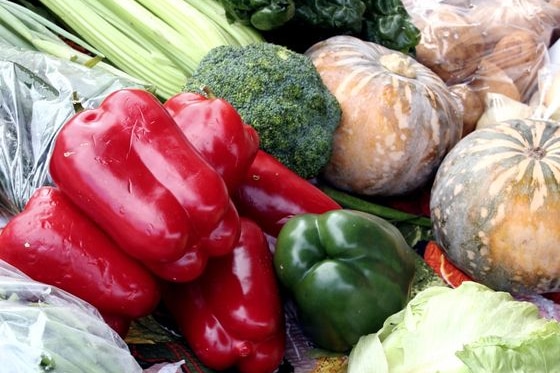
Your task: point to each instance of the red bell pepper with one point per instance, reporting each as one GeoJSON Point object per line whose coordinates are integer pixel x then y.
{"type": "Point", "coordinates": [53, 242]}
{"type": "Point", "coordinates": [435, 258]}
{"type": "Point", "coordinates": [120, 324]}
{"type": "Point", "coordinates": [192, 264]}
{"type": "Point", "coordinates": [128, 165]}
{"type": "Point", "coordinates": [232, 315]}
{"type": "Point", "coordinates": [216, 129]}
{"type": "Point", "coordinates": [271, 193]}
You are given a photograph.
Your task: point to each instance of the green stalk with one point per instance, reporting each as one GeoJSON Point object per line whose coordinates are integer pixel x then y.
{"type": "Point", "coordinates": [34, 26]}
{"type": "Point", "coordinates": [200, 31]}
{"type": "Point", "coordinates": [393, 215]}
{"type": "Point", "coordinates": [159, 41]}
{"type": "Point", "coordinates": [142, 53]}
{"type": "Point", "coordinates": [8, 36]}
{"type": "Point", "coordinates": [25, 29]}
{"type": "Point", "coordinates": [124, 51]}
{"type": "Point", "coordinates": [157, 31]}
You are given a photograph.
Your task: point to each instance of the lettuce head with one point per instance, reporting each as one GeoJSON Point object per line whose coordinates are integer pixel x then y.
{"type": "Point", "coordinates": [469, 329]}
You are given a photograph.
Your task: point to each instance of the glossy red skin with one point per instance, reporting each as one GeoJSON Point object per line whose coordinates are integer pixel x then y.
{"type": "Point", "coordinates": [271, 193]}
{"type": "Point", "coordinates": [53, 242]}
{"type": "Point", "coordinates": [232, 315]}
{"type": "Point", "coordinates": [191, 265]}
{"type": "Point", "coordinates": [218, 132]}
{"type": "Point", "coordinates": [416, 202]}
{"type": "Point", "coordinates": [120, 324]}
{"type": "Point", "coordinates": [555, 297]}
{"type": "Point", "coordinates": [132, 170]}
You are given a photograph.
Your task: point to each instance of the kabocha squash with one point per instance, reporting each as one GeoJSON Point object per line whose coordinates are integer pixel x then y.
{"type": "Point", "coordinates": [398, 117]}
{"type": "Point", "coordinates": [495, 206]}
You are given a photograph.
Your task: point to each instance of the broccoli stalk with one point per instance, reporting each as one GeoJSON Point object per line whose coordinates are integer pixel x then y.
{"type": "Point", "coordinates": [280, 93]}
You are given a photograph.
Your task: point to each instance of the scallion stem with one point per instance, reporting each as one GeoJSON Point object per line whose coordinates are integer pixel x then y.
{"type": "Point", "coordinates": [393, 215]}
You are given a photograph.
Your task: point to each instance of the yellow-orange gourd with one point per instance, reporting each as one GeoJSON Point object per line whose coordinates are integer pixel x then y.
{"type": "Point", "coordinates": [398, 120]}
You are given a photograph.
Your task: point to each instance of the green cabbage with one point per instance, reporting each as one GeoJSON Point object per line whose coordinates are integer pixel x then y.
{"type": "Point", "coordinates": [467, 329]}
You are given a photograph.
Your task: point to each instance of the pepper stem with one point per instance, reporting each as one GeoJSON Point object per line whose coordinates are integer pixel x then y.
{"type": "Point", "coordinates": [208, 92]}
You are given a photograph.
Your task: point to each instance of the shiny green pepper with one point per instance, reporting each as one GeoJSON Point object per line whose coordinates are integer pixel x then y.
{"type": "Point", "coordinates": [346, 270]}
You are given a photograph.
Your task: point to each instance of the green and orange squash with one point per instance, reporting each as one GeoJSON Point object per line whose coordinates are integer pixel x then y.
{"type": "Point", "coordinates": [495, 206]}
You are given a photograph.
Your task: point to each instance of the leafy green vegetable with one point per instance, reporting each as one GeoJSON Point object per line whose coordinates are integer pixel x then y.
{"type": "Point", "coordinates": [262, 15]}
{"type": "Point", "coordinates": [329, 14]}
{"type": "Point", "coordinates": [280, 93]}
{"type": "Point", "coordinates": [467, 329]}
{"type": "Point", "coordinates": [300, 23]}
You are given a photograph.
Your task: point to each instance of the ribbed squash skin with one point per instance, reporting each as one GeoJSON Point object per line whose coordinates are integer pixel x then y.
{"type": "Point", "coordinates": [398, 117]}
{"type": "Point", "coordinates": [495, 206]}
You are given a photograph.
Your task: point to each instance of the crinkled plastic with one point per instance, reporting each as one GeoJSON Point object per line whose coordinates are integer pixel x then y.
{"type": "Point", "coordinates": [495, 46]}
{"type": "Point", "coordinates": [45, 329]}
{"type": "Point", "coordinates": [37, 96]}
{"type": "Point", "coordinates": [499, 108]}
{"type": "Point", "coordinates": [547, 101]}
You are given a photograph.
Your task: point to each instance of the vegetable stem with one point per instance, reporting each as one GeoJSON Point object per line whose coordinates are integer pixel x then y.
{"type": "Point", "coordinates": [159, 41]}
{"type": "Point", "coordinates": [25, 29]}
{"type": "Point", "coordinates": [393, 215]}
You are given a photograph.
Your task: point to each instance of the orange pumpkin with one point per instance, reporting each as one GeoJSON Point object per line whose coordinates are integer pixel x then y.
{"type": "Point", "coordinates": [398, 120]}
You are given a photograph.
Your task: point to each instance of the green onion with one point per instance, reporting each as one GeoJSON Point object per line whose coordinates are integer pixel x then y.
{"type": "Point", "coordinates": [159, 41]}
{"type": "Point", "coordinates": [23, 28]}
{"type": "Point", "coordinates": [350, 201]}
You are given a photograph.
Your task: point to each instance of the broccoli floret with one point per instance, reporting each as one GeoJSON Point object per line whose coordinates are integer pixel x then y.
{"type": "Point", "coordinates": [280, 93]}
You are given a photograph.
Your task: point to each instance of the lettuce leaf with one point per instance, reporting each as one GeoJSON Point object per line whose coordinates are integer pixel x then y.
{"type": "Point", "coordinates": [471, 328]}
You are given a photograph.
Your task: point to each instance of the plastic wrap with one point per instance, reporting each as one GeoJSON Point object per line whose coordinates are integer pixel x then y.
{"type": "Point", "coordinates": [543, 104]}
{"type": "Point", "coordinates": [494, 46]}
{"type": "Point", "coordinates": [43, 328]}
{"type": "Point", "coordinates": [547, 101]}
{"type": "Point", "coordinates": [37, 95]}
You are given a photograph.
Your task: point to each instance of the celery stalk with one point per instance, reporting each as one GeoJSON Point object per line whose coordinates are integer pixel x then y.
{"type": "Point", "coordinates": [175, 12]}
{"type": "Point", "coordinates": [160, 41]}
{"type": "Point", "coordinates": [23, 28]}
{"type": "Point", "coordinates": [8, 36]}
{"type": "Point", "coordinates": [136, 58]}
{"type": "Point", "coordinates": [156, 30]}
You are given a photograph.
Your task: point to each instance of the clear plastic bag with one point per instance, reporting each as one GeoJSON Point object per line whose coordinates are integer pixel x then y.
{"type": "Point", "coordinates": [547, 99]}
{"type": "Point", "coordinates": [485, 49]}
{"type": "Point", "coordinates": [43, 328]}
{"type": "Point", "coordinates": [496, 46]}
{"type": "Point", "coordinates": [37, 96]}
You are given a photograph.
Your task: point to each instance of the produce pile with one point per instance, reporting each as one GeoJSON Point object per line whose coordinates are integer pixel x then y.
{"type": "Point", "coordinates": [287, 186]}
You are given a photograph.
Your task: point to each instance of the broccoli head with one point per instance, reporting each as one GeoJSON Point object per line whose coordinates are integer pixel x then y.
{"type": "Point", "coordinates": [279, 93]}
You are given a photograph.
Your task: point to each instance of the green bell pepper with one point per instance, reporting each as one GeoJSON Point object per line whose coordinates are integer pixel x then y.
{"type": "Point", "coordinates": [346, 270]}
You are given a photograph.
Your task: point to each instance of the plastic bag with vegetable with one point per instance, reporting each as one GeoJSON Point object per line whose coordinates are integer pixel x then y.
{"type": "Point", "coordinates": [37, 95]}
{"type": "Point", "coordinates": [43, 328]}
{"type": "Point", "coordinates": [493, 46]}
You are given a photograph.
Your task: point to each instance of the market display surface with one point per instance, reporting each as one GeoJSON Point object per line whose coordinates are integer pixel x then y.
{"type": "Point", "coordinates": [287, 186]}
